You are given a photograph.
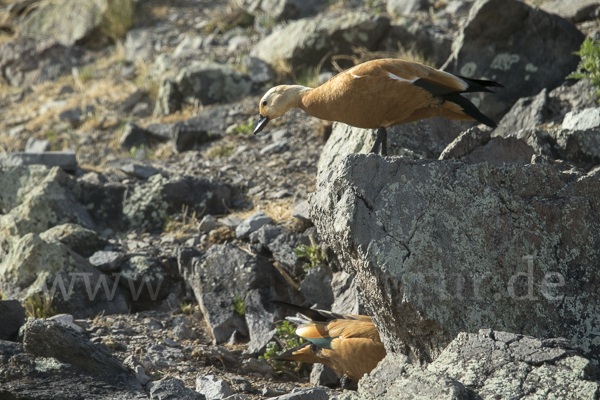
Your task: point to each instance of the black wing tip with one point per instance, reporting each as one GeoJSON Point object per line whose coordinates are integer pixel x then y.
{"type": "Point", "coordinates": [480, 85]}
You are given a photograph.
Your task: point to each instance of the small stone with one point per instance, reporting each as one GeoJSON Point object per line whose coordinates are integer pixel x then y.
{"type": "Point", "coordinates": [66, 320]}
{"type": "Point", "coordinates": [106, 261]}
{"type": "Point", "coordinates": [152, 324]}
{"type": "Point", "coordinates": [588, 118]}
{"type": "Point", "coordinates": [231, 221]}
{"type": "Point", "coordinates": [301, 211]}
{"type": "Point", "coordinates": [254, 190]}
{"type": "Point", "coordinates": [280, 194]}
{"type": "Point", "coordinates": [252, 224]}
{"type": "Point", "coordinates": [279, 134]}
{"type": "Point", "coordinates": [171, 343]}
{"type": "Point", "coordinates": [258, 70]}
{"type": "Point", "coordinates": [34, 145]}
{"type": "Point", "coordinates": [66, 89]}
{"type": "Point", "coordinates": [131, 101]}
{"type": "Point", "coordinates": [254, 365]}
{"type": "Point", "coordinates": [72, 115]}
{"type": "Point", "coordinates": [212, 387]}
{"type": "Point", "coordinates": [128, 72]}
{"type": "Point", "coordinates": [207, 224]}
{"type": "Point", "coordinates": [140, 375]}
{"type": "Point", "coordinates": [132, 136]}
{"type": "Point", "coordinates": [141, 110]}
{"type": "Point", "coordinates": [314, 393]}
{"type": "Point", "coordinates": [173, 389]}
{"type": "Point", "coordinates": [277, 147]}
{"type": "Point", "coordinates": [139, 170]}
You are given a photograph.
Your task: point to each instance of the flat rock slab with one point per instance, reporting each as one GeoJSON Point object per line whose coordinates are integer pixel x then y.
{"type": "Point", "coordinates": [440, 247]}
{"type": "Point", "coordinates": [487, 365]}
{"type": "Point", "coordinates": [63, 159]}
{"type": "Point", "coordinates": [62, 361]}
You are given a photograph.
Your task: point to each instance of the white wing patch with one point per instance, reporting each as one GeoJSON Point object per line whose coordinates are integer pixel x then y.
{"type": "Point", "coordinates": [396, 77]}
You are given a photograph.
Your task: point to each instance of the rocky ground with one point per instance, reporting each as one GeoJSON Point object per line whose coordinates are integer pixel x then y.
{"type": "Point", "coordinates": [133, 188]}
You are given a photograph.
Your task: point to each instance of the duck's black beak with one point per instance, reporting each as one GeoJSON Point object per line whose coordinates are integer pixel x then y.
{"type": "Point", "coordinates": [262, 122]}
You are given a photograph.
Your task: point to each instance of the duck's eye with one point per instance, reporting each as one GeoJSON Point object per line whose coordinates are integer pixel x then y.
{"type": "Point", "coordinates": [264, 103]}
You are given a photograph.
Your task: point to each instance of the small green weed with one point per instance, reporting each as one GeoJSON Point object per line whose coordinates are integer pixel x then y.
{"type": "Point", "coordinates": [39, 307]}
{"type": "Point", "coordinates": [86, 74]}
{"type": "Point", "coordinates": [223, 150]}
{"type": "Point", "coordinates": [238, 305]}
{"type": "Point", "coordinates": [133, 152]}
{"type": "Point", "coordinates": [313, 254]}
{"type": "Point", "coordinates": [187, 309]}
{"type": "Point", "coordinates": [286, 335]}
{"type": "Point", "coordinates": [589, 66]}
{"type": "Point", "coordinates": [245, 129]}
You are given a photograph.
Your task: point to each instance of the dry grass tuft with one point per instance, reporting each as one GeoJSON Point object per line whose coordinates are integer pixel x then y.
{"type": "Point", "coordinates": [362, 55]}
{"type": "Point", "coordinates": [232, 17]}
{"type": "Point", "coordinates": [279, 210]}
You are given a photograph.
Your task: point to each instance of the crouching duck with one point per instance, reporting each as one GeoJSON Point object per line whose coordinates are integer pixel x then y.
{"type": "Point", "coordinates": [379, 94]}
{"type": "Point", "coordinates": [349, 344]}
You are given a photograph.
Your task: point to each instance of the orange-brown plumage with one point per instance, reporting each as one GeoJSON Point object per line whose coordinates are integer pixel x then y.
{"type": "Point", "coordinates": [349, 344]}
{"type": "Point", "coordinates": [379, 94]}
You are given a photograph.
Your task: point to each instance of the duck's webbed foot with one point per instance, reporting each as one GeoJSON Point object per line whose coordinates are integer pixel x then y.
{"type": "Point", "coordinates": [380, 140]}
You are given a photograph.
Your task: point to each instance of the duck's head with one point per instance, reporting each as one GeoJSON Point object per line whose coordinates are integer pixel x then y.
{"type": "Point", "coordinates": [276, 102]}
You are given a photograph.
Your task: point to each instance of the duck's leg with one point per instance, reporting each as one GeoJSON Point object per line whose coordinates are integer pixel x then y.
{"type": "Point", "coordinates": [381, 139]}
{"type": "Point", "coordinates": [348, 384]}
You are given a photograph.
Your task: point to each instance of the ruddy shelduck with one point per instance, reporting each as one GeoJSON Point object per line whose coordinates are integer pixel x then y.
{"type": "Point", "coordinates": [379, 94]}
{"type": "Point", "coordinates": [349, 344]}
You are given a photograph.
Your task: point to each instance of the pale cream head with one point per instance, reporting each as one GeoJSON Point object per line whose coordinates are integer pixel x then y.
{"type": "Point", "coordinates": [277, 102]}
{"type": "Point", "coordinates": [280, 99]}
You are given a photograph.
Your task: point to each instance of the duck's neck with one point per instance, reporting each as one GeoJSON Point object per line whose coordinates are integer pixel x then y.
{"type": "Point", "coordinates": [296, 95]}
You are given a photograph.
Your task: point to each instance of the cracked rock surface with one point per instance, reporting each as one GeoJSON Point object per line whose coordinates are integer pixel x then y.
{"type": "Point", "coordinates": [488, 365]}
{"type": "Point", "coordinates": [440, 247]}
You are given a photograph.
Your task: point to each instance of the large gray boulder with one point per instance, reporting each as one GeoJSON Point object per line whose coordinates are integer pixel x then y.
{"type": "Point", "coordinates": [431, 41]}
{"type": "Point", "coordinates": [440, 247]}
{"type": "Point", "coordinates": [27, 61]}
{"type": "Point", "coordinates": [487, 365]}
{"type": "Point", "coordinates": [305, 42]}
{"type": "Point", "coordinates": [226, 275]}
{"type": "Point", "coordinates": [151, 202]}
{"type": "Point", "coordinates": [62, 361]}
{"type": "Point", "coordinates": [36, 198]}
{"type": "Point", "coordinates": [523, 48]}
{"type": "Point", "coordinates": [66, 21]}
{"type": "Point", "coordinates": [423, 139]}
{"type": "Point", "coordinates": [531, 111]}
{"type": "Point", "coordinates": [203, 82]}
{"type": "Point", "coordinates": [50, 270]}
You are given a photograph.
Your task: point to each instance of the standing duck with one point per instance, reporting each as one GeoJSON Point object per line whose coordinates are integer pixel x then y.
{"type": "Point", "coordinates": [379, 94]}
{"type": "Point", "coordinates": [349, 344]}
